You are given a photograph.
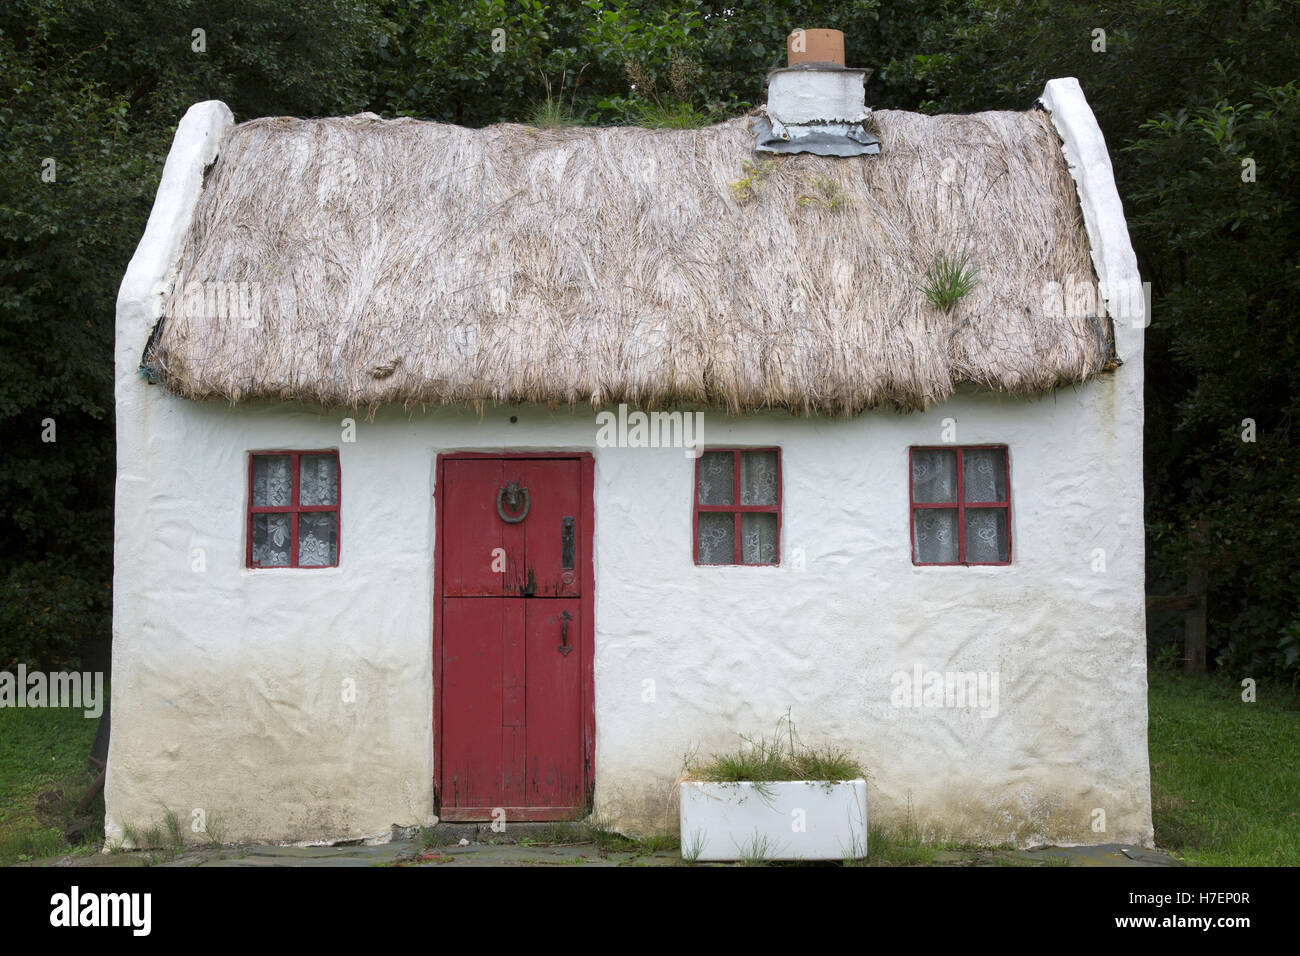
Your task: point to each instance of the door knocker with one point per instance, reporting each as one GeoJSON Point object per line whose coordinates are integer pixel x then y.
{"type": "Point", "coordinates": [516, 496]}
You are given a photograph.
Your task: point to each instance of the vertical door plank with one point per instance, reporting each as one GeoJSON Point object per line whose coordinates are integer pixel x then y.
{"type": "Point", "coordinates": [472, 701]}
{"type": "Point", "coordinates": [471, 529]}
{"type": "Point", "coordinates": [556, 491]}
{"type": "Point", "coordinates": [554, 705]}
{"type": "Point", "coordinates": [513, 533]}
{"type": "Point", "coordinates": [514, 738]}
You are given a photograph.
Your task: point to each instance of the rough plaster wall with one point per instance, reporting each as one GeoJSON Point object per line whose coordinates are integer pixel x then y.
{"type": "Point", "coordinates": [227, 682]}
{"type": "Point", "coordinates": [729, 649]}
{"type": "Point", "coordinates": [231, 681]}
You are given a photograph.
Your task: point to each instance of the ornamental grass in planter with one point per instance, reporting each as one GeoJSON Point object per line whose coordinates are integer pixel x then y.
{"type": "Point", "coordinates": [774, 799]}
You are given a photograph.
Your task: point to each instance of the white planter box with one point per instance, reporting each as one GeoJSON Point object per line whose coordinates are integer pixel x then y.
{"type": "Point", "coordinates": [785, 820]}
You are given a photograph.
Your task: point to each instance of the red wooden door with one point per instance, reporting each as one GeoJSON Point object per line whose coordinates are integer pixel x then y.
{"type": "Point", "coordinates": [513, 716]}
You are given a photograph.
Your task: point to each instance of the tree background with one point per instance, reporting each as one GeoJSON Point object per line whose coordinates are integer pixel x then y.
{"type": "Point", "coordinates": [1185, 90]}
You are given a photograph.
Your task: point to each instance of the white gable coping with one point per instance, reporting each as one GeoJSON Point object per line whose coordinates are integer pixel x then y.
{"type": "Point", "coordinates": [139, 300]}
{"type": "Point", "coordinates": [1113, 258]}
{"type": "Point", "coordinates": [1088, 160]}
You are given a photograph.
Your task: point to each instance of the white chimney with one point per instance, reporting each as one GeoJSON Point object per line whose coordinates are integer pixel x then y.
{"type": "Point", "coordinates": [816, 104]}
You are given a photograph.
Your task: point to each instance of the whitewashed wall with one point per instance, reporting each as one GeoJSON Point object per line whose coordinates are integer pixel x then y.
{"type": "Point", "coordinates": [227, 682]}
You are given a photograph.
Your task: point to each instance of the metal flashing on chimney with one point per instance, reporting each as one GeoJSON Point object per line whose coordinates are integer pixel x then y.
{"type": "Point", "coordinates": [821, 139]}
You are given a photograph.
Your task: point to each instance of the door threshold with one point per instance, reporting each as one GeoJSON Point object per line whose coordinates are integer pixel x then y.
{"type": "Point", "coordinates": [511, 814]}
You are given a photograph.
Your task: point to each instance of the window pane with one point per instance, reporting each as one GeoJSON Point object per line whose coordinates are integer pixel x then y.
{"type": "Point", "coordinates": [715, 482]}
{"type": "Point", "coordinates": [271, 540]}
{"type": "Point", "coordinates": [934, 475]}
{"type": "Point", "coordinates": [758, 478]}
{"type": "Point", "coordinates": [984, 474]}
{"type": "Point", "coordinates": [717, 538]}
{"type": "Point", "coordinates": [318, 480]}
{"type": "Point", "coordinates": [318, 540]}
{"type": "Point", "coordinates": [935, 531]}
{"type": "Point", "coordinates": [272, 481]}
{"type": "Point", "coordinates": [986, 535]}
{"type": "Point", "coordinates": [758, 538]}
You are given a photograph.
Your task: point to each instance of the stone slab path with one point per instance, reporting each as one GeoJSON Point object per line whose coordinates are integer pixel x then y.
{"type": "Point", "coordinates": [406, 853]}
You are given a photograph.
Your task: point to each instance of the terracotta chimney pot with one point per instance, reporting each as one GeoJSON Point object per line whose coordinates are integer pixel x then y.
{"type": "Point", "coordinates": [815, 46]}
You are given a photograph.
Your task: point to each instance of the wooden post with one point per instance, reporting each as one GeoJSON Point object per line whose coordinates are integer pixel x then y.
{"type": "Point", "coordinates": [1198, 577]}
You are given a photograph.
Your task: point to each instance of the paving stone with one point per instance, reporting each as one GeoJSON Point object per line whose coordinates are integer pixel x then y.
{"type": "Point", "coordinates": [948, 857]}
{"type": "Point", "coordinates": [1109, 854]}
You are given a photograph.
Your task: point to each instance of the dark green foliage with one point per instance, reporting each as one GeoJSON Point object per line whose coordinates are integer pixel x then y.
{"type": "Point", "coordinates": [618, 62]}
{"type": "Point", "coordinates": [1224, 349]}
{"type": "Point", "coordinates": [98, 86]}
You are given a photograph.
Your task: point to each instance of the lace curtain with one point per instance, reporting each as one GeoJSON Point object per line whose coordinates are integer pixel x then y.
{"type": "Point", "coordinates": [318, 541]}
{"type": "Point", "coordinates": [758, 538]}
{"type": "Point", "coordinates": [984, 474]}
{"type": "Point", "coordinates": [271, 540]}
{"type": "Point", "coordinates": [986, 535]}
{"type": "Point", "coordinates": [715, 485]}
{"type": "Point", "coordinates": [272, 481]}
{"type": "Point", "coordinates": [717, 532]}
{"type": "Point", "coordinates": [318, 480]}
{"type": "Point", "coordinates": [758, 478]}
{"type": "Point", "coordinates": [934, 481]}
{"type": "Point", "coordinates": [934, 475]}
{"type": "Point", "coordinates": [318, 485]}
{"type": "Point", "coordinates": [935, 533]}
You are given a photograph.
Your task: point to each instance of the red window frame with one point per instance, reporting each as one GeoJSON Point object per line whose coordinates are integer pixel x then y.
{"type": "Point", "coordinates": [294, 509]}
{"type": "Point", "coordinates": [961, 504]}
{"type": "Point", "coordinates": [738, 509]}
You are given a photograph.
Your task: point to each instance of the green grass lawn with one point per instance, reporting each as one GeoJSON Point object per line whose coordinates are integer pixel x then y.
{"type": "Point", "coordinates": [43, 751]}
{"type": "Point", "coordinates": [1225, 775]}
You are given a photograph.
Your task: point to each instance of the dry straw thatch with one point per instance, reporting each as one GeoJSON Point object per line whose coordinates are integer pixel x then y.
{"type": "Point", "coordinates": [398, 261]}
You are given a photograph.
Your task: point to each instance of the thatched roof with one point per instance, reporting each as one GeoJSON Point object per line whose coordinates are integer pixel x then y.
{"type": "Point", "coordinates": [400, 261]}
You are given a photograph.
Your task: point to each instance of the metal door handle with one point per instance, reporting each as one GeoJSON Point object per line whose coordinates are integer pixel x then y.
{"type": "Point", "coordinates": [564, 647]}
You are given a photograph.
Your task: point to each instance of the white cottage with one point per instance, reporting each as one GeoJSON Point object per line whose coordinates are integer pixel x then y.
{"type": "Point", "coordinates": [395, 541]}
